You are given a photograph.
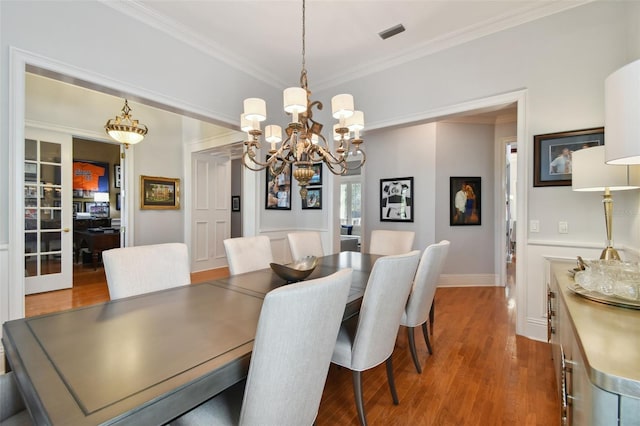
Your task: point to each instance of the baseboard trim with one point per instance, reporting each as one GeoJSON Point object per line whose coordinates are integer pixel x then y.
{"type": "Point", "coordinates": [468, 280]}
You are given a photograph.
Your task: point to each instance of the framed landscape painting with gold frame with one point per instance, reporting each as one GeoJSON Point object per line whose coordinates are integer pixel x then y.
{"type": "Point", "coordinates": [159, 193]}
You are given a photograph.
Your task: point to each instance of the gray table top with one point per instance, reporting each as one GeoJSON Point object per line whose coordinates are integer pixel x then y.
{"type": "Point", "coordinates": [148, 358]}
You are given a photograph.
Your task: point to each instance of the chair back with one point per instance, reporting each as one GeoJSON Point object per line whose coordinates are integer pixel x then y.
{"type": "Point", "coordinates": [292, 351]}
{"type": "Point", "coordinates": [12, 408]}
{"type": "Point", "coordinates": [246, 254]}
{"type": "Point", "coordinates": [425, 283]}
{"type": "Point", "coordinates": [142, 269]}
{"type": "Point", "coordinates": [382, 306]}
{"type": "Point", "coordinates": [391, 242]}
{"type": "Point", "coordinates": [308, 243]}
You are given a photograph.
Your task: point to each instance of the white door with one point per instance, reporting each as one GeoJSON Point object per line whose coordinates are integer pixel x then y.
{"type": "Point", "coordinates": [48, 212]}
{"type": "Point", "coordinates": [211, 214]}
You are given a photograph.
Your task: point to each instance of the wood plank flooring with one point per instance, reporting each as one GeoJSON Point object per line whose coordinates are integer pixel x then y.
{"type": "Point", "coordinates": [480, 373]}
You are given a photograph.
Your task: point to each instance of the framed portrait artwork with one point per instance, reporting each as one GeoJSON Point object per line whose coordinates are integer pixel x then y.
{"type": "Point", "coordinates": [159, 193]}
{"type": "Point", "coordinates": [97, 209]}
{"type": "Point", "coordinates": [465, 196]}
{"type": "Point", "coordinates": [313, 200]}
{"type": "Point", "coordinates": [396, 200]}
{"type": "Point", "coordinates": [552, 154]}
{"type": "Point", "coordinates": [278, 189]}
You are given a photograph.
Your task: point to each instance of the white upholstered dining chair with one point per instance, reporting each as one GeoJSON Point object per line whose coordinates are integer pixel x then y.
{"type": "Point", "coordinates": [391, 242]}
{"type": "Point", "coordinates": [142, 269]}
{"type": "Point", "coordinates": [368, 339]}
{"type": "Point", "coordinates": [246, 254]}
{"type": "Point", "coordinates": [307, 243]}
{"type": "Point", "coordinates": [421, 304]}
{"type": "Point", "coordinates": [291, 355]}
{"type": "Point", "coordinates": [12, 409]}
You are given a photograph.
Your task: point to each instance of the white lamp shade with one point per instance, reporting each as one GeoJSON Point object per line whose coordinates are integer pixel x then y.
{"type": "Point", "coordinates": [101, 197]}
{"type": "Point", "coordinates": [273, 133]}
{"type": "Point", "coordinates": [255, 109]}
{"type": "Point", "coordinates": [356, 121]}
{"type": "Point", "coordinates": [591, 173]}
{"type": "Point", "coordinates": [622, 115]}
{"type": "Point", "coordinates": [295, 99]}
{"type": "Point", "coordinates": [342, 106]}
{"type": "Point", "coordinates": [245, 125]}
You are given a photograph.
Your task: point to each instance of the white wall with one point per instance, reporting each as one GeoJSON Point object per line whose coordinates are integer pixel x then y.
{"type": "Point", "coordinates": [466, 150]}
{"type": "Point", "coordinates": [398, 153]}
{"type": "Point", "coordinates": [562, 62]}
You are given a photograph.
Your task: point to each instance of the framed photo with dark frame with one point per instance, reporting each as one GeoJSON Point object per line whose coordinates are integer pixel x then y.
{"type": "Point", "coordinates": [118, 201]}
{"type": "Point", "coordinates": [552, 154]}
{"type": "Point", "coordinates": [159, 193]}
{"type": "Point", "coordinates": [117, 176]}
{"type": "Point", "coordinates": [396, 200]}
{"type": "Point", "coordinates": [77, 206]}
{"type": "Point", "coordinates": [317, 174]}
{"type": "Point", "coordinates": [235, 203]}
{"type": "Point", "coordinates": [313, 200]}
{"type": "Point", "coordinates": [278, 189]}
{"type": "Point", "coordinates": [465, 196]}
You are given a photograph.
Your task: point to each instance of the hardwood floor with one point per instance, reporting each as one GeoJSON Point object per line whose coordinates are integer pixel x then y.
{"type": "Point", "coordinates": [480, 373]}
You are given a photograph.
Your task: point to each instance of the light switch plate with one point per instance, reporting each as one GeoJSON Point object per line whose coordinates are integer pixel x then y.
{"type": "Point", "coordinates": [534, 226]}
{"type": "Point", "coordinates": [563, 227]}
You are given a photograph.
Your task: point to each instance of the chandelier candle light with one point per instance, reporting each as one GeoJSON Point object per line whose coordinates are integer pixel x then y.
{"type": "Point", "coordinates": [304, 144]}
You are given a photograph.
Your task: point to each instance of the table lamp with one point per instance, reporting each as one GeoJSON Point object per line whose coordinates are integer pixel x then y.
{"type": "Point", "coordinates": [591, 173]}
{"type": "Point", "coordinates": [622, 110]}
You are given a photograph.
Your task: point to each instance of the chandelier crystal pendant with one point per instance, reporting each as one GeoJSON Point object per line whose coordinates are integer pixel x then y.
{"type": "Point", "coordinates": [124, 129]}
{"type": "Point", "coordinates": [304, 144]}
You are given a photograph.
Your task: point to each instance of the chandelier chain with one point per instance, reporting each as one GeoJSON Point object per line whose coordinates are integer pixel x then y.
{"type": "Point", "coordinates": [304, 31]}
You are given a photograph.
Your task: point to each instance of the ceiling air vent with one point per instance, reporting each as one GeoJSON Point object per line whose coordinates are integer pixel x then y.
{"type": "Point", "coordinates": [390, 32]}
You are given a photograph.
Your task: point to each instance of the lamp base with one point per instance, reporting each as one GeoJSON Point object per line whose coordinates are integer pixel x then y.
{"type": "Point", "coordinates": [609, 253]}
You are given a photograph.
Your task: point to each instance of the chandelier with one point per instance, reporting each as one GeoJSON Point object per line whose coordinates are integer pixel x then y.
{"type": "Point", "coordinates": [304, 144]}
{"type": "Point", "coordinates": [124, 129]}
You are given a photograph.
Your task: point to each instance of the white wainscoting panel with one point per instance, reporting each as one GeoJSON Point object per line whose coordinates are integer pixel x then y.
{"type": "Point", "coordinates": [201, 241]}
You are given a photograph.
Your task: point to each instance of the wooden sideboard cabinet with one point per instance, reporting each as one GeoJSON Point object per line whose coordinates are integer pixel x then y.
{"type": "Point", "coordinates": [596, 354]}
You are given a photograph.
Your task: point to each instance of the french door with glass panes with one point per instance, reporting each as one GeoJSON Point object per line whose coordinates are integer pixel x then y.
{"type": "Point", "coordinates": [48, 215]}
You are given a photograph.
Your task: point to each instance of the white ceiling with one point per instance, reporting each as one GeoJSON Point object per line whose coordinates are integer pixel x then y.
{"type": "Point", "coordinates": [263, 37]}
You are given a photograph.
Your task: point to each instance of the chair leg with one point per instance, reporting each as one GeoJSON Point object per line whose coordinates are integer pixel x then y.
{"type": "Point", "coordinates": [357, 390]}
{"type": "Point", "coordinates": [392, 383]}
{"type": "Point", "coordinates": [412, 347]}
{"type": "Point", "coordinates": [432, 315]}
{"type": "Point", "coordinates": [425, 333]}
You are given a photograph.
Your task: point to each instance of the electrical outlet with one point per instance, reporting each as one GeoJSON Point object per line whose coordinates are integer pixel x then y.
{"type": "Point", "coordinates": [534, 226]}
{"type": "Point", "coordinates": [563, 227]}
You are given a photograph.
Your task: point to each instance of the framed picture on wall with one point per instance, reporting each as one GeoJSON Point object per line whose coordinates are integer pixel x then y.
{"type": "Point", "coordinates": [396, 200]}
{"type": "Point", "coordinates": [89, 177]}
{"type": "Point", "coordinates": [117, 176]}
{"type": "Point", "coordinates": [552, 154]}
{"type": "Point", "coordinates": [278, 189]}
{"type": "Point", "coordinates": [235, 203]}
{"type": "Point", "coordinates": [313, 200]}
{"type": "Point", "coordinates": [465, 196]}
{"type": "Point", "coordinates": [317, 174]}
{"type": "Point", "coordinates": [159, 193]}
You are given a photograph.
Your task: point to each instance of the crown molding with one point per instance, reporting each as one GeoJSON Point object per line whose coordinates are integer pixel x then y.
{"type": "Point", "coordinates": [447, 41]}
{"type": "Point", "coordinates": [529, 13]}
{"type": "Point", "coordinates": [138, 11]}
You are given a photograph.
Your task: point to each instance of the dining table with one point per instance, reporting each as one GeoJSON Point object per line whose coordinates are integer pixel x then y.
{"type": "Point", "coordinates": [147, 359]}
